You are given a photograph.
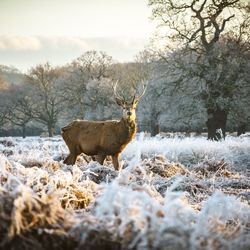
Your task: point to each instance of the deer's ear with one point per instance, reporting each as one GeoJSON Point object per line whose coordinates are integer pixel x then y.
{"type": "Point", "coordinates": [119, 102]}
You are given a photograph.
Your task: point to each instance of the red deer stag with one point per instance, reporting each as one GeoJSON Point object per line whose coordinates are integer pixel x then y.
{"type": "Point", "coordinates": [103, 138]}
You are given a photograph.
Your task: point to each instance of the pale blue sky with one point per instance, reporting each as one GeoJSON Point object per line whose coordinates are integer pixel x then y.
{"type": "Point", "coordinates": [33, 31]}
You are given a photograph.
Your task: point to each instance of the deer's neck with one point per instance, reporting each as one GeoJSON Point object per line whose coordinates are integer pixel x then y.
{"type": "Point", "coordinates": [129, 129]}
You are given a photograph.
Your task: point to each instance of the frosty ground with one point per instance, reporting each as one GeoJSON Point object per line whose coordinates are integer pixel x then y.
{"type": "Point", "coordinates": [173, 193]}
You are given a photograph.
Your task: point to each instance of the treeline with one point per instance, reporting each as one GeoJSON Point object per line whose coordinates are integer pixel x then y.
{"type": "Point", "coordinates": [49, 97]}
{"type": "Point", "coordinates": [197, 81]}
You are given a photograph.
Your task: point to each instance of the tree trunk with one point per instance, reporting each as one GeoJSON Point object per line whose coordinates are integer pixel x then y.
{"type": "Point", "coordinates": [154, 124]}
{"type": "Point", "coordinates": [216, 124]}
{"type": "Point", "coordinates": [51, 130]}
{"type": "Point", "coordinates": [155, 129]}
{"type": "Point", "coordinates": [24, 131]}
{"type": "Point", "coordinates": [241, 129]}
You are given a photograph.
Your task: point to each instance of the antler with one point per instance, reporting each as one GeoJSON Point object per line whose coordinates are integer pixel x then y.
{"type": "Point", "coordinates": [137, 98]}
{"type": "Point", "coordinates": [117, 95]}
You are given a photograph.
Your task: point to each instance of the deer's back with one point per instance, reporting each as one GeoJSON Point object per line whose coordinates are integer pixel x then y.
{"type": "Point", "coordinates": [93, 137]}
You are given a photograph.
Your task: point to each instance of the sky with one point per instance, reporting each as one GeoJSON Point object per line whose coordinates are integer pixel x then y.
{"type": "Point", "coordinates": [58, 31]}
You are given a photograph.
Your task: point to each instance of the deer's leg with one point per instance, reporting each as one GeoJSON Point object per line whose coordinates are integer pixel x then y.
{"type": "Point", "coordinates": [100, 158]}
{"type": "Point", "coordinates": [71, 158]}
{"type": "Point", "coordinates": [115, 161]}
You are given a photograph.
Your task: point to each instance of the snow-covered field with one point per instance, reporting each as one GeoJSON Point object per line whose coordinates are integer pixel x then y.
{"type": "Point", "coordinates": [173, 193]}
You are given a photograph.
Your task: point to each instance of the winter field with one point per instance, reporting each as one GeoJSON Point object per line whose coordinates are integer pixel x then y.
{"type": "Point", "coordinates": [173, 193]}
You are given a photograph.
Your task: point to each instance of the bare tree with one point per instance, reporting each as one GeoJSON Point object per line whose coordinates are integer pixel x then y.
{"type": "Point", "coordinates": [94, 64]}
{"type": "Point", "coordinates": [4, 101]}
{"type": "Point", "coordinates": [49, 96]}
{"type": "Point", "coordinates": [3, 115]}
{"type": "Point", "coordinates": [198, 28]}
{"type": "Point", "coordinates": [90, 67]}
{"type": "Point", "coordinates": [20, 111]}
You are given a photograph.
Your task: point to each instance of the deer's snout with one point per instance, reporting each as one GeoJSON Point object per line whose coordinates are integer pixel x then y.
{"type": "Point", "coordinates": [129, 113]}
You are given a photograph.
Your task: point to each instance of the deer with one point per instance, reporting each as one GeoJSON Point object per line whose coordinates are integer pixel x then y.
{"type": "Point", "coordinates": [100, 139]}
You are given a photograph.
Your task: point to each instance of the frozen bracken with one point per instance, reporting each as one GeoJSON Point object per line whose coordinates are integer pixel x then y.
{"type": "Point", "coordinates": [172, 193]}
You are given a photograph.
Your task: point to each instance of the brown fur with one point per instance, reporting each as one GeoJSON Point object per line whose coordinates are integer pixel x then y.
{"type": "Point", "coordinates": [102, 138]}
{"type": "Point", "coordinates": [99, 138]}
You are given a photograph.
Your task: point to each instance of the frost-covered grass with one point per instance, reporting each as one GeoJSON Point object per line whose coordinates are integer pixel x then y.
{"type": "Point", "coordinates": [173, 193]}
{"type": "Point", "coordinates": [192, 150]}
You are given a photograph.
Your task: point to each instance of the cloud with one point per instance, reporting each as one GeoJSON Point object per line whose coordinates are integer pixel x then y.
{"type": "Point", "coordinates": [19, 43]}
{"type": "Point", "coordinates": [27, 51]}
{"type": "Point", "coordinates": [64, 42]}
{"type": "Point", "coordinates": [35, 43]}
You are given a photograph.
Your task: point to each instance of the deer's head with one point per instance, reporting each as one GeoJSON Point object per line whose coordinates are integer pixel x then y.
{"type": "Point", "coordinates": [129, 106]}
